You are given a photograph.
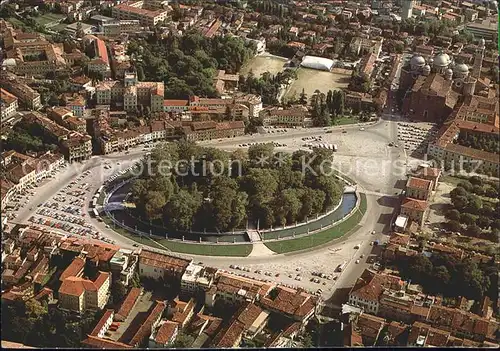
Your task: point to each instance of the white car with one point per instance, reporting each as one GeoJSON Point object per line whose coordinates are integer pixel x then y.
{"type": "Point", "coordinates": [357, 261]}
{"type": "Point", "coordinates": [361, 129]}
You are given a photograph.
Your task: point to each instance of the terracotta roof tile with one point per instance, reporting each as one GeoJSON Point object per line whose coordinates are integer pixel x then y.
{"type": "Point", "coordinates": [414, 204]}
{"type": "Point", "coordinates": [228, 336]}
{"type": "Point", "coordinates": [165, 332]}
{"type": "Point", "coordinates": [128, 304]}
{"type": "Point", "coordinates": [74, 269]}
{"type": "Point", "coordinates": [105, 317]}
{"type": "Point", "coordinates": [418, 183]}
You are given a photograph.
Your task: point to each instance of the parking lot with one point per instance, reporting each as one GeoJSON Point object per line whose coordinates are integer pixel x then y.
{"type": "Point", "coordinates": [415, 137]}
{"type": "Point", "coordinates": [64, 210]}
{"type": "Point", "coordinates": [22, 199]}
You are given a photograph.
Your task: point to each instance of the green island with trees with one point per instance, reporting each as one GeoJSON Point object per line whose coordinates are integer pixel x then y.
{"type": "Point", "coordinates": [227, 189]}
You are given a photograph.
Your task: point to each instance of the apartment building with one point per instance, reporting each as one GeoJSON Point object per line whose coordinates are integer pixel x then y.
{"type": "Point", "coordinates": [77, 147]}
{"type": "Point", "coordinates": [373, 46]}
{"type": "Point", "coordinates": [77, 105]}
{"type": "Point", "coordinates": [284, 117]}
{"type": "Point", "coordinates": [198, 131]}
{"type": "Point", "coordinates": [293, 303]}
{"type": "Point", "coordinates": [196, 278]}
{"type": "Point", "coordinates": [117, 28]}
{"type": "Point", "coordinates": [77, 294]}
{"type": "Point", "coordinates": [147, 12]}
{"type": "Point", "coordinates": [8, 105]}
{"type": "Point", "coordinates": [160, 266]}
{"type": "Point", "coordinates": [131, 93]}
{"type": "Point", "coordinates": [147, 327]}
{"type": "Point", "coordinates": [23, 170]}
{"type": "Point", "coordinates": [100, 63]}
{"type": "Point", "coordinates": [123, 265]}
{"type": "Point", "coordinates": [26, 95]}
{"type": "Point", "coordinates": [234, 289]}
{"type": "Point", "coordinates": [418, 188]}
{"type": "Point", "coordinates": [369, 287]}
{"type": "Point", "coordinates": [164, 335]}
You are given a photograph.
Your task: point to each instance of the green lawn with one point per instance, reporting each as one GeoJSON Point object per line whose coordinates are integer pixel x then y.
{"type": "Point", "coordinates": [48, 18]}
{"type": "Point", "coordinates": [344, 120]}
{"type": "Point", "coordinates": [15, 22]}
{"type": "Point", "coordinates": [238, 250]}
{"type": "Point", "coordinates": [307, 242]}
{"type": "Point", "coordinates": [235, 250]}
{"type": "Point", "coordinates": [141, 240]}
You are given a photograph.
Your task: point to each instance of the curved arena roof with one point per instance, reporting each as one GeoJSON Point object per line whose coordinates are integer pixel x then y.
{"type": "Point", "coordinates": [315, 62]}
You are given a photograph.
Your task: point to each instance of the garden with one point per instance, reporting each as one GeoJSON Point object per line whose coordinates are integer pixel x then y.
{"type": "Point", "coordinates": [474, 209]}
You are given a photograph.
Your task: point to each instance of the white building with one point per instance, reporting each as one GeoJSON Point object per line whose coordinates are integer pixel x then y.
{"type": "Point", "coordinates": [315, 62]}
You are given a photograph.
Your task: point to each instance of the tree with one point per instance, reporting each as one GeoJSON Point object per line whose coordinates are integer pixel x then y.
{"type": "Point", "coordinates": [460, 202]}
{"type": "Point", "coordinates": [181, 209]}
{"type": "Point", "coordinates": [495, 224]}
{"type": "Point", "coordinates": [154, 203]}
{"type": "Point", "coordinates": [228, 205]}
{"type": "Point", "coordinates": [182, 341]}
{"type": "Point", "coordinates": [420, 268]}
{"type": "Point", "coordinates": [465, 185]}
{"type": "Point", "coordinates": [474, 231]}
{"type": "Point", "coordinates": [483, 222]}
{"type": "Point", "coordinates": [454, 226]}
{"type": "Point", "coordinates": [261, 152]}
{"type": "Point", "coordinates": [303, 97]}
{"type": "Point", "coordinates": [453, 215]}
{"type": "Point", "coordinates": [467, 218]}
{"type": "Point", "coordinates": [118, 292]}
{"type": "Point", "coordinates": [475, 180]}
{"type": "Point", "coordinates": [474, 205]}
{"type": "Point", "coordinates": [458, 191]}
{"type": "Point", "coordinates": [307, 341]}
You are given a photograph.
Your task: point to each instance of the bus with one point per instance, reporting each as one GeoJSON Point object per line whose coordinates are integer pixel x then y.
{"type": "Point", "coordinates": [341, 266]}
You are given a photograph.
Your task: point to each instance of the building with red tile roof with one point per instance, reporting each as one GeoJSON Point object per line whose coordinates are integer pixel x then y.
{"type": "Point", "coordinates": [414, 209]}
{"type": "Point", "coordinates": [155, 265]}
{"type": "Point", "coordinates": [165, 335]}
{"type": "Point", "coordinates": [232, 289]}
{"type": "Point", "coordinates": [152, 320]}
{"type": "Point", "coordinates": [229, 337]}
{"type": "Point", "coordinates": [296, 304]}
{"type": "Point", "coordinates": [369, 327]}
{"type": "Point", "coordinates": [75, 269]}
{"type": "Point", "coordinates": [368, 289]}
{"type": "Point", "coordinates": [418, 188]}
{"type": "Point", "coordinates": [93, 342]}
{"type": "Point", "coordinates": [79, 295]}
{"type": "Point", "coordinates": [103, 324]}
{"type": "Point", "coordinates": [128, 304]}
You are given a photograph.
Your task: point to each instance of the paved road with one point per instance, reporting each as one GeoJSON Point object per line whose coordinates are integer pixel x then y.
{"type": "Point", "coordinates": [368, 144]}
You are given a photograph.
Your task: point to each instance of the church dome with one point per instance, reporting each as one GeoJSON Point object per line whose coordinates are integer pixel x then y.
{"type": "Point", "coordinates": [441, 60]}
{"type": "Point", "coordinates": [427, 69]}
{"type": "Point", "coordinates": [417, 61]}
{"type": "Point", "coordinates": [461, 68]}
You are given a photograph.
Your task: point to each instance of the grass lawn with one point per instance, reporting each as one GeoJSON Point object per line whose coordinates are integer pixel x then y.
{"type": "Point", "coordinates": [48, 18]}
{"type": "Point", "coordinates": [141, 240]}
{"type": "Point", "coordinates": [307, 242]}
{"type": "Point", "coordinates": [236, 250]}
{"type": "Point", "coordinates": [344, 120]}
{"type": "Point", "coordinates": [15, 22]}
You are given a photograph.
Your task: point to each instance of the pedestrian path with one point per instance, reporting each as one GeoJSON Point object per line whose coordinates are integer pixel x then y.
{"type": "Point", "coordinates": [260, 250]}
